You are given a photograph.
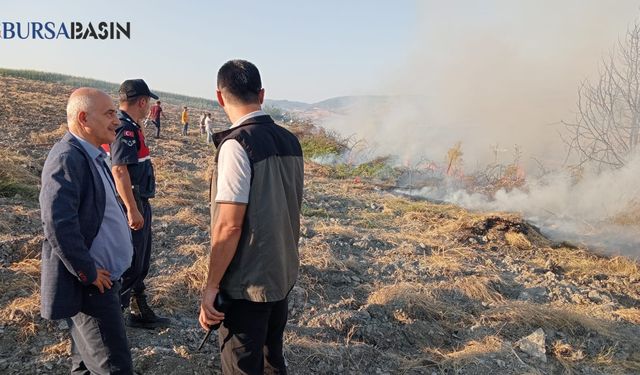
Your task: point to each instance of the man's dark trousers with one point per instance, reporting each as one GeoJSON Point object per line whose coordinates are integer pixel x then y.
{"type": "Point", "coordinates": [251, 337]}
{"type": "Point", "coordinates": [133, 278]}
{"type": "Point", "coordinates": [98, 338]}
{"type": "Point", "coordinates": [157, 122]}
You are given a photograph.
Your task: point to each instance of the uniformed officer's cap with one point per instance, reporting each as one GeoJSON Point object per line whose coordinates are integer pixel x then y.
{"type": "Point", "coordinates": [136, 87]}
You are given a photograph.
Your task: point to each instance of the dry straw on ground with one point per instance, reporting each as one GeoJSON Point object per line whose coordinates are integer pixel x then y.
{"type": "Point", "coordinates": [387, 284]}
{"type": "Point", "coordinates": [49, 137]}
{"type": "Point", "coordinates": [471, 352]}
{"type": "Point", "coordinates": [417, 301]}
{"type": "Point", "coordinates": [520, 316]}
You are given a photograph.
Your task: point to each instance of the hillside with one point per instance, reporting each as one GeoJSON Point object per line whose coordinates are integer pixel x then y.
{"type": "Point", "coordinates": [287, 105]}
{"type": "Point", "coordinates": [109, 87]}
{"type": "Point", "coordinates": [388, 284]}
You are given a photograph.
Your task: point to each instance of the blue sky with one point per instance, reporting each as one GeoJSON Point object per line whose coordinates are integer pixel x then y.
{"type": "Point", "coordinates": [305, 50]}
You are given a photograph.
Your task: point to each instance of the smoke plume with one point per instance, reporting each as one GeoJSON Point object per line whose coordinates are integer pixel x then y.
{"type": "Point", "coordinates": [497, 74]}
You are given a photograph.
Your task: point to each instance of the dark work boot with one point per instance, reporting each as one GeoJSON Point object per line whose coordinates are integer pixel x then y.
{"type": "Point", "coordinates": [141, 315]}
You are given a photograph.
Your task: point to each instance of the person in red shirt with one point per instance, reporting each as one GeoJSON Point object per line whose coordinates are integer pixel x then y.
{"type": "Point", "coordinates": [154, 115]}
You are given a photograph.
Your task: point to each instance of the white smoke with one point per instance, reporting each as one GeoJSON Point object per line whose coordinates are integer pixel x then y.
{"type": "Point", "coordinates": [582, 211]}
{"type": "Point", "coordinates": [496, 74]}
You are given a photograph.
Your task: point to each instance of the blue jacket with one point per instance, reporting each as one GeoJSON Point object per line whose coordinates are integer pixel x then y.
{"type": "Point", "coordinates": [72, 203]}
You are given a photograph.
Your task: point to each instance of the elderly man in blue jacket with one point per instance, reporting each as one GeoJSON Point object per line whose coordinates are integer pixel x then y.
{"type": "Point", "coordinates": [87, 244]}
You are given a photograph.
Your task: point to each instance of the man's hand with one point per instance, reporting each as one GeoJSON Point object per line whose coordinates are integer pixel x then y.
{"type": "Point", "coordinates": [208, 314]}
{"type": "Point", "coordinates": [136, 221]}
{"type": "Point", "coordinates": [103, 281]}
{"type": "Point", "coordinates": [225, 235]}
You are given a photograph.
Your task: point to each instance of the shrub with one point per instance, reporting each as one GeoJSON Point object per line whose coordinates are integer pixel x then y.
{"type": "Point", "coordinates": [318, 142]}
{"type": "Point", "coordinates": [377, 168]}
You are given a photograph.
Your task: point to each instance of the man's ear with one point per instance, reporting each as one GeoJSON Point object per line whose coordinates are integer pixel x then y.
{"type": "Point", "coordinates": [261, 96]}
{"type": "Point", "coordinates": [82, 118]}
{"type": "Point", "coordinates": [220, 99]}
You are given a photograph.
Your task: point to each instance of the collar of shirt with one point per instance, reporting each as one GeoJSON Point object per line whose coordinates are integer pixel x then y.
{"type": "Point", "coordinates": [248, 116]}
{"type": "Point", "coordinates": [94, 152]}
{"type": "Point", "coordinates": [122, 115]}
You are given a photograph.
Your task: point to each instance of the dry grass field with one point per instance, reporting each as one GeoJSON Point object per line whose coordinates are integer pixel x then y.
{"type": "Point", "coordinates": [388, 285]}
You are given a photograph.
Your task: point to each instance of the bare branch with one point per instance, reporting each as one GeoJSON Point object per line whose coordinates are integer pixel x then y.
{"type": "Point", "coordinates": [606, 129]}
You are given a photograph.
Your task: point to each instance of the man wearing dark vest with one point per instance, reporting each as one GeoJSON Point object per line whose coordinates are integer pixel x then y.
{"type": "Point", "coordinates": [256, 195]}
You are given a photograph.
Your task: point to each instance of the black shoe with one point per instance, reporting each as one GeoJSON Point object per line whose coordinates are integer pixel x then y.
{"type": "Point", "coordinates": [137, 321]}
{"type": "Point", "coordinates": [142, 316]}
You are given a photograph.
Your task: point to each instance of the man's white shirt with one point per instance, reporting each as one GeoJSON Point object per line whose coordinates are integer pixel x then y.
{"type": "Point", "coordinates": [234, 168]}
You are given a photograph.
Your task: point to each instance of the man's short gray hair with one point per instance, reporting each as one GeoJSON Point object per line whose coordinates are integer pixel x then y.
{"type": "Point", "coordinates": [77, 104]}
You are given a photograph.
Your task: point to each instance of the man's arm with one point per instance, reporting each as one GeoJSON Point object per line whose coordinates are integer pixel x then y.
{"type": "Point", "coordinates": [124, 151]}
{"type": "Point", "coordinates": [123, 186]}
{"type": "Point", "coordinates": [225, 236]}
{"type": "Point", "coordinates": [59, 202]}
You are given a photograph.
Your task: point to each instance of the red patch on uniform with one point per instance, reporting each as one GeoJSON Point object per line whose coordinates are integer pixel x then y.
{"type": "Point", "coordinates": [143, 151]}
{"type": "Point", "coordinates": [128, 133]}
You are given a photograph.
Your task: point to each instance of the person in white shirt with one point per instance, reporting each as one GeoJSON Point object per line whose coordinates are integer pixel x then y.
{"type": "Point", "coordinates": [256, 195]}
{"type": "Point", "coordinates": [208, 126]}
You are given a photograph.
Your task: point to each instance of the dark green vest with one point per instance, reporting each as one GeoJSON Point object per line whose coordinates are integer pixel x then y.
{"type": "Point", "coordinates": [265, 266]}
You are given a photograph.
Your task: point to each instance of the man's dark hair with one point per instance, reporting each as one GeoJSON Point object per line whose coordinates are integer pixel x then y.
{"type": "Point", "coordinates": [241, 80]}
{"type": "Point", "coordinates": [122, 97]}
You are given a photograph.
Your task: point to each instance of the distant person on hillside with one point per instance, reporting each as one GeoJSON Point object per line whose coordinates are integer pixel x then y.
{"type": "Point", "coordinates": [154, 114]}
{"type": "Point", "coordinates": [184, 119]}
{"type": "Point", "coordinates": [87, 243]}
{"type": "Point", "coordinates": [256, 195]}
{"type": "Point", "coordinates": [208, 124]}
{"type": "Point", "coordinates": [136, 184]}
{"type": "Point", "coordinates": [202, 124]}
